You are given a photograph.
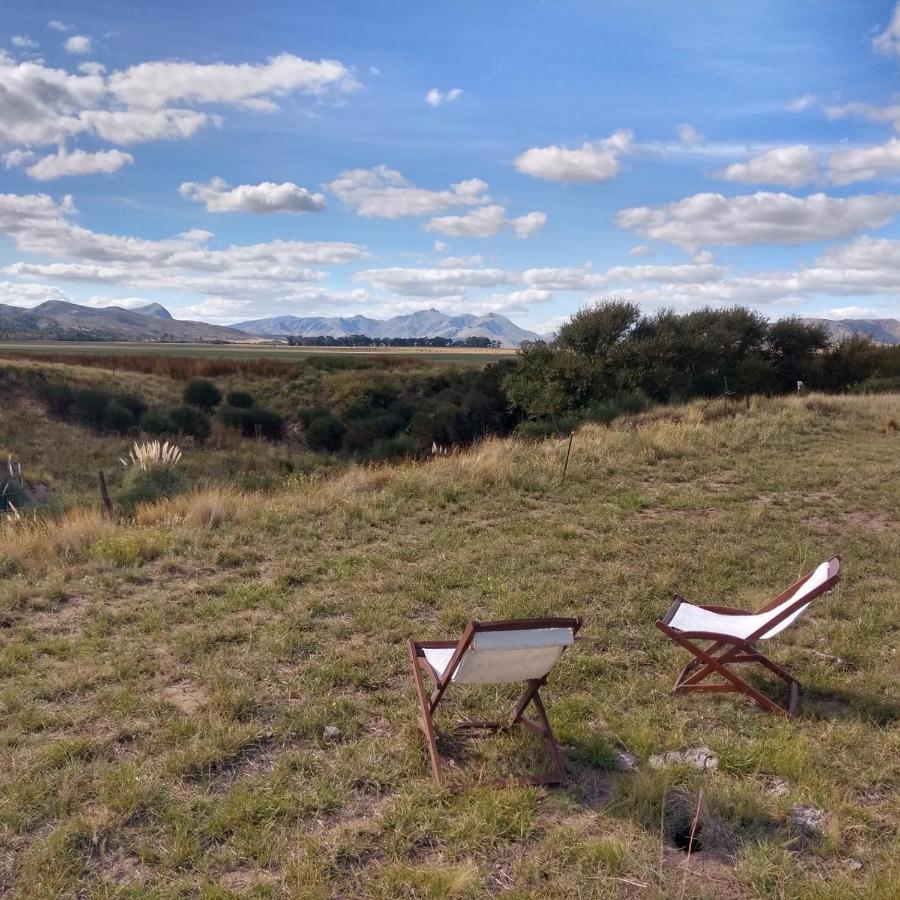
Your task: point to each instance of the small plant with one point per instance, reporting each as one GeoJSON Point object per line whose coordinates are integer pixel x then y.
{"type": "Point", "coordinates": [152, 455]}
{"type": "Point", "coordinates": [202, 393]}
{"type": "Point", "coordinates": [239, 399]}
{"type": "Point", "coordinates": [191, 421]}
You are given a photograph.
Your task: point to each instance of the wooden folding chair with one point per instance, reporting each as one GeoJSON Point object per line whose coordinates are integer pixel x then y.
{"type": "Point", "coordinates": [498, 652]}
{"type": "Point", "coordinates": [732, 633]}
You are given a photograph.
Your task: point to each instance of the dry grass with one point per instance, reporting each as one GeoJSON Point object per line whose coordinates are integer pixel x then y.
{"type": "Point", "coordinates": [166, 681]}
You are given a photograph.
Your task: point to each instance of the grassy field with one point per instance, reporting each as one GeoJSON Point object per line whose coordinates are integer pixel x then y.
{"type": "Point", "coordinates": [248, 351]}
{"type": "Point", "coordinates": [166, 682]}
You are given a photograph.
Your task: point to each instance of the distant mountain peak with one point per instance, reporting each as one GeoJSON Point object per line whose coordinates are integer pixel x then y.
{"type": "Point", "coordinates": [154, 309]}
{"type": "Point", "coordinates": [423, 323]}
{"type": "Point", "coordinates": [882, 331]}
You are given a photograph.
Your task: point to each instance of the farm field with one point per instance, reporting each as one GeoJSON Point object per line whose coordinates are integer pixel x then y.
{"type": "Point", "coordinates": [247, 351]}
{"type": "Point", "coordinates": [212, 697]}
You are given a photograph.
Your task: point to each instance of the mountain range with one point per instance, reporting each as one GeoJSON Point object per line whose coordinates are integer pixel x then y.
{"type": "Point", "coordinates": [61, 320]}
{"type": "Point", "coordinates": [882, 331]}
{"type": "Point", "coordinates": [421, 324]}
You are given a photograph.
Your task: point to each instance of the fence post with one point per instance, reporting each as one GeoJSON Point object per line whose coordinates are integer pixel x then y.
{"type": "Point", "coordinates": [566, 464]}
{"type": "Point", "coordinates": [104, 494]}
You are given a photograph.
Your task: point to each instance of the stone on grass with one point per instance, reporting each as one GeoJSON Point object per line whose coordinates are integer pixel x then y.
{"type": "Point", "coordinates": [623, 761]}
{"type": "Point", "coordinates": [700, 758]}
{"type": "Point", "coordinates": [809, 819]}
{"type": "Point", "coordinates": [332, 734]}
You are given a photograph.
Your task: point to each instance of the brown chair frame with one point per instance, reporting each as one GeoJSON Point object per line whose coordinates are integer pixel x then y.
{"type": "Point", "coordinates": [428, 703]}
{"type": "Point", "coordinates": [725, 650]}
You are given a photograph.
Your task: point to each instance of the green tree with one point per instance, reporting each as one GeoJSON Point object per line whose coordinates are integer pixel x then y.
{"type": "Point", "coordinates": [202, 393]}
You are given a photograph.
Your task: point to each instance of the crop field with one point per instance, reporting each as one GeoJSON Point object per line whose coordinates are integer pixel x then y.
{"type": "Point", "coordinates": [211, 696]}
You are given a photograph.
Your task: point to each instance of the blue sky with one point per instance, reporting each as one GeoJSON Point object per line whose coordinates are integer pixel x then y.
{"type": "Point", "coordinates": [235, 161]}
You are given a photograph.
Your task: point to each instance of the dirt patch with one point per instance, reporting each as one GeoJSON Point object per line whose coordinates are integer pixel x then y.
{"type": "Point", "coordinates": [791, 498]}
{"type": "Point", "coordinates": [65, 609]}
{"type": "Point", "coordinates": [707, 868]}
{"type": "Point", "coordinates": [185, 695]}
{"type": "Point", "coordinates": [692, 514]}
{"type": "Point", "coordinates": [244, 879]}
{"type": "Point", "coordinates": [869, 522]}
{"type": "Point", "coordinates": [123, 868]}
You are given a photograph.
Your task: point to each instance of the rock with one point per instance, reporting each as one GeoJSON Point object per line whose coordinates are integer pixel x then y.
{"type": "Point", "coordinates": [623, 761]}
{"type": "Point", "coordinates": [700, 758]}
{"type": "Point", "coordinates": [809, 819]}
{"type": "Point", "coordinates": [332, 734]}
{"type": "Point", "coordinates": [854, 865]}
{"type": "Point", "coordinates": [776, 787]}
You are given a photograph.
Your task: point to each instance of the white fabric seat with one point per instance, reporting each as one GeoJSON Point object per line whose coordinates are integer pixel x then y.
{"type": "Point", "coordinates": [496, 657]}
{"type": "Point", "coordinates": [691, 618]}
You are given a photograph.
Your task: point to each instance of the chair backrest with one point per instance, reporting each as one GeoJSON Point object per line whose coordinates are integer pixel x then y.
{"type": "Point", "coordinates": [817, 582]}
{"type": "Point", "coordinates": [514, 651]}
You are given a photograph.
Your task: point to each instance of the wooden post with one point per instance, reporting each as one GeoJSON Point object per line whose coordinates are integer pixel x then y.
{"type": "Point", "coordinates": [104, 494]}
{"type": "Point", "coordinates": [566, 464]}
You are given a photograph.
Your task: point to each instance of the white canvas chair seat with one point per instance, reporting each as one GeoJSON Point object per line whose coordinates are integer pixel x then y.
{"type": "Point", "coordinates": [692, 618]}
{"type": "Point", "coordinates": [730, 635]}
{"type": "Point", "coordinates": [517, 650]}
{"type": "Point", "coordinates": [496, 657]}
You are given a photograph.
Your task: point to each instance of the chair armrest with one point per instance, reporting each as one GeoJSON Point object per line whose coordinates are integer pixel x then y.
{"type": "Point", "coordinates": [677, 600]}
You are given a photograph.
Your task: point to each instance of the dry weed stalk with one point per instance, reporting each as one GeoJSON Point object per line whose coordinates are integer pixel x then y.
{"type": "Point", "coordinates": [152, 455]}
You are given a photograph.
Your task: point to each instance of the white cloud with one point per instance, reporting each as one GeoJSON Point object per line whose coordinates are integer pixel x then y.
{"type": "Point", "coordinates": [798, 104]}
{"type": "Point", "coordinates": [789, 166]}
{"type": "Point", "coordinates": [275, 270]}
{"type": "Point", "coordinates": [16, 158]}
{"type": "Point", "coordinates": [573, 278]}
{"type": "Point", "coordinates": [14, 293]}
{"type": "Point", "coordinates": [592, 161]}
{"type": "Point", "coordinates": [889, 115]}
{"type": "Point", "coordinates": [441, 247]}
{"type": "Point", "coordinates": [266, 197]}
{"type": "Point", "coordinates": [435, 97]}
{"type": "Point", "coordinates": [78, 44]}
{"type": "Point", "coordinates": [888, 42]}
{"type": "Point", "coordinates": [761, 218]}
{"type": "Point", "coordinates": [486, 221]}
{"type": "Point", "coordinates": [433, 282]}
{"type": "Point", "coordinates": [640, 250]}
{"type": "Point", "coordinates": [863, 163]}
{"type": "Point", "coordinates": [689, 135]}
{"type": "Point", "coordinates": [461, 262]}
{"type": "Point", "coordinates": [849, 312]}
{"type": "Point", "coordinates": [91, 68]}
{"type": "Point", "coordinates": [78, 162]}
{"type": "Point", "coordinates": [44, 105]}
{"type": "Point", "coordinates": [23, 42]}
{"type": "Point", "coordinates": [383, 193]}
{"type": "Point", "coordinates": [154, 85]}
{"type": "Point", "coordinates": [56, 25]}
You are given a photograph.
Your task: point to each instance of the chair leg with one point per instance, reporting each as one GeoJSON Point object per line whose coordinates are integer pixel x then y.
{"type": "Point", "coordinates": [710, 664]}
{"type": "Point", "coordinates": [531, 694]}
{"type": "Point", "coordinates": [426, 722]}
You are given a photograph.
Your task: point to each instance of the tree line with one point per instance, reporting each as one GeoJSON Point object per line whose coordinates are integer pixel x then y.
{"type": "Point", "coordinates": [363, 340]}
{"type": "Point", "coordinates": [610, 358]}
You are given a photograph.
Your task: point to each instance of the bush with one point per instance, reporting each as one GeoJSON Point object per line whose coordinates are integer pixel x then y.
{"type": "Point", "coordinates": [325, 432]}
{"type": "Point", "coordinates": [253, 422]}
{"type": "Point", "coordinates": [89, 407]}
{"type": "Point", "coordinates": [57, 397]}
{"type": "Point", "coordinates": [146, 486]}
{"type": "Point", "coordinates": [605, 411]}
{"type": "Point", "coordinates": [136, 405]}
{"type": "Point", "coordinates": [118, 418]}
{"type": "Point", "coordinates": [157, 421]}
{"type": "Point", "coordinates": [878, 384]}
{"type": "Point", "coordinates": [239, 399]}
{"type": "Point", "coordinates": [11, 492]}
{"type": "Point", "coordinates": [190, 421]}
{"type": "Point", "coordinates": [202, 393]}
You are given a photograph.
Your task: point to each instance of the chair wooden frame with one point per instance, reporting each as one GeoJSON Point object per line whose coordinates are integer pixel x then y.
{"type": "Point", "coordinates": [428, 702]}
{"type": "Point", "coordinates": [725, 650]}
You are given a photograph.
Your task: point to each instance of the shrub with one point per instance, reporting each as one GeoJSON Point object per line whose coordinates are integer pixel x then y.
{"type": "Point", "coordinates": [118, 418]}
{"type": "Point", "coordinates": [190, 421]}
{"type": "Point", "coordinates": [152, 455]}
{"type": "Point", "coordinates": [254, 421]}
{"type": "Point", "coordinates": [145, 486]}
{"type": "Point", "coordinates": [89, 407]}
{"type": "Point", "coordinates": [878, 384]}
{"type": "Point", "coordinates": [239, 399]}
{"type": "Point", "coordinates": [57, 397]}
{"type": "Point", "coordinates": [325, 432]}
{"type": "Point", "coordinates": [157, 421]}
{"type": "Point", "coordinates": [135, 404]}
{"type": "Point", "coordinates": [201, 393]}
